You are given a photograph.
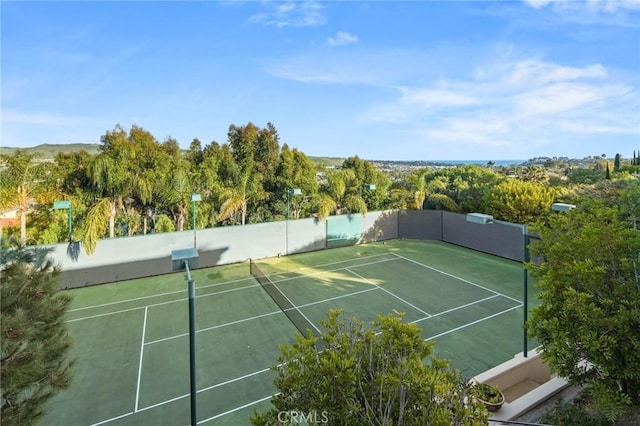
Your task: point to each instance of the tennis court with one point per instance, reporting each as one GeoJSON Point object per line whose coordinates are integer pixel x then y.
{"type": "Point", "coordinates": [131, 338]}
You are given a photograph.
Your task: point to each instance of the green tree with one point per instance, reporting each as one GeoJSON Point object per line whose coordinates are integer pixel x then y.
{"type": "Point", "coordinates": [340, 187]}
{"type": "Point", "coordinates": [588, 320]}
{"type": "Point", "coordinates": [242, 141]}
{"type": "Point", "coordinates": [295, 170]}
{"type": "Point", "coordinates": [516, 201]}
{"type": "Point", "coordinates": [431, 189]}
{"type": "Point", "coordinates": [34, 363]}
{"type": "Point", "coordinates": [110, 176]}
{"type": "Point", "coordinates": [23, 183]}
{"type": "Point", "coordinates": [365, 173]}
{"type": "Point", "coordinates": [616, 163]}
{"type": "Point", "coordinates": [373, 375]}
{"type": "Point", "coordinates": [267, 155]}
{"type": "Point", "coordinates": [236, 197]}
{"type": "Point", "coordinates": [467, 185]}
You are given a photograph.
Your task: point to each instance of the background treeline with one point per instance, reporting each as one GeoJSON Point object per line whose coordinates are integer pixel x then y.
{"type": "Point", "coordinates": [137, 184]}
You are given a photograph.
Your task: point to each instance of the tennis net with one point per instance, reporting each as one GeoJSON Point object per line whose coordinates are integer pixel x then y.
{"type": "Point", "coordinates": [296, 317]}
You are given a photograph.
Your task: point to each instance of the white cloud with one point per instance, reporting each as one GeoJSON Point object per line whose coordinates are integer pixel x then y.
{"type": "Point", "coordinates": [606, 6]}
{"type": "Point", "coordinates": [515, 105]}
{"type": "Point", "coordinates": [435, 97]}
{"type": "Point", "coordinates": [534, 71]}
{"type": "Point", "coordinates": [604, 12]}
{"type": "Point", "coordinates": [342, 38]}
{"type": "Point", "coordinates": [292, 14]}
{"type": "Point", "coordinates": [537, 4]}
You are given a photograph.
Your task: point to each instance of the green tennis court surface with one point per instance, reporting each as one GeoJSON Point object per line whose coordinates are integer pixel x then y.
{"type": "Point", "coordinates": [131, 338]}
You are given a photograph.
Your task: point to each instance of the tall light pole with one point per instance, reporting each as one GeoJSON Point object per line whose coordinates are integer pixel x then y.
{"type": "Point", "coordinates": [194, 199]}
{"type": "Point", "coordinates": [181, 260]}
{"type": "Point", "coordinates": [65, 205]}
{"type": "Point", "coordinates": [290, 192]}
{"type": "Point", "coordinates": [485, 219]}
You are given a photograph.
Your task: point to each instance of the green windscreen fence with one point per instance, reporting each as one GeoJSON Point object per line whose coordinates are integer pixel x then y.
{"type": "Point", "coordinates": [343, 230]}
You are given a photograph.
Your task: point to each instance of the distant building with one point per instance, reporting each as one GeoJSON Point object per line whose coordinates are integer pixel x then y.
{"type": "Point", "coordinates": [9, 218]}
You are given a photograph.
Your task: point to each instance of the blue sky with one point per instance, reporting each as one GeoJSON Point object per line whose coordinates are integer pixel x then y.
{"type": "Point", "coordinates": [419, 80]}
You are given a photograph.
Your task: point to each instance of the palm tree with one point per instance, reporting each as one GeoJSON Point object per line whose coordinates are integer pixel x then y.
{"type": "Point", "coordinates": [23, 183]}
{"type": "Point", "coordinates": [235, 198]}
{"type": "Point", "coordinates": [112, 184]}
{"type": "Point", "coordinates": [424, 190]}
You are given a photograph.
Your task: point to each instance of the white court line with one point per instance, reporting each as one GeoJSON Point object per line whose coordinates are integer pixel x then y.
{"type": "Point", "coordinates": [338, 297]}
{"type": "Point", "coordinates": [473, 323]}
{"type": "Point", "coordinates": [155, 295]}
{"type": "Point", "coordinates": [177, 398]}
{"type": "Point", "coordinates": [235, 409]}
{"type": "Point", "coordinates": [261, 316]}
{"type": "Point", "coordinates": [430, 338]}
{"type": "Point", "coordinates": [144, 331]}
{"type": "Point", "coordinates": [163, 303]}
{"type": "Point", "coordinates": [104, 315]}
{"type": "Point", "coordinates": [458, 278]}
{"type": "Point", "coordinates": [495, 294]}
{"type": "Point", "coordinates": [226, 324]}
{"type": "Point", "coordinates": [388, 292]}
{"type": "Point", "coordinates": [197, 297]}
{"type": "Point", "coordinates": [344, 268]}
{"type": "Point", "coordinates": [296, 308]}
{"type": "Point", "coordinates": [331, 263]}
{"type": "Point", "coordinates": [112, 419]}
{"type": "Point", "coordinates": [455, 309]}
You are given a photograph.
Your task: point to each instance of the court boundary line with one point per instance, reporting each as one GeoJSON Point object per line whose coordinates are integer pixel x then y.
{"type": "Point", "coordinates": [466, 305]}
{"type": "Point", "coordinates": [331, 270]}
{"type": "Point", "coordinates": [135, 299]}
{"type": "Point", "coordinates": [388, 292]}
{"type": "Point", "coordinates": [214, 284]}
{"type": "Point", "coordinates": [295, 307]}
{"type": "Point", "coordinates": [160, 303]}
{"type": "Point", "coordinates": [144, 330]}
{"type": "Point", "coordinates": [429, 338]}
{"type": "Point", "coordinates": [113, 419]}
{"type": "Point", "coordinates": [197, 297]}
{"type": "Point", "coordinates": [474, 322]}
{"type": "Point", "coordinates": [457, 278]}
{"type": "Point", "coordinates": [279, 311]}
{"type": "Point", "coordinates": [397, 257]}
{"type": "Point", "coordinates": [208, 388]}
{"type": "Point", "coordinates": [331, 263]}
{"type": "Point", "coordinates": [268, 369]}
{"type": "Point", "coordinates": [233, 410]}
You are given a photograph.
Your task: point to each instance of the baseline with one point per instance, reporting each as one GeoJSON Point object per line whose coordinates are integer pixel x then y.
{"type": "Point", "coordinates": [329, 270]}
{"type": "Point", "coordinates": [155, 295]}
{"type": "Point", "coordinates": [163, 303]}
{"type": "Point", "coordinates": [329, 263]}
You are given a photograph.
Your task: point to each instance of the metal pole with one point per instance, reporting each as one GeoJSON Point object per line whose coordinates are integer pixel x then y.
{"type": "Point", "coordinates": [70, 226]}
{"type": "Point", "coordinates": [287, 204]}
{"type": "Point", "coordinates": [192, 345]}
{"type": "Point", "coordinates": [525, 259]}
{"type": "Point", "coordinates": [286, 234]}
{"type": "Point", "coordinates": [193, 203]}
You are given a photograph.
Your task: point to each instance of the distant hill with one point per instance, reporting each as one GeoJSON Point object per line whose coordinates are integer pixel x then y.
{"type": "Point", "coordinates": [327, 161]}
{"type": "Point", "coordinates": [47, 151]}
